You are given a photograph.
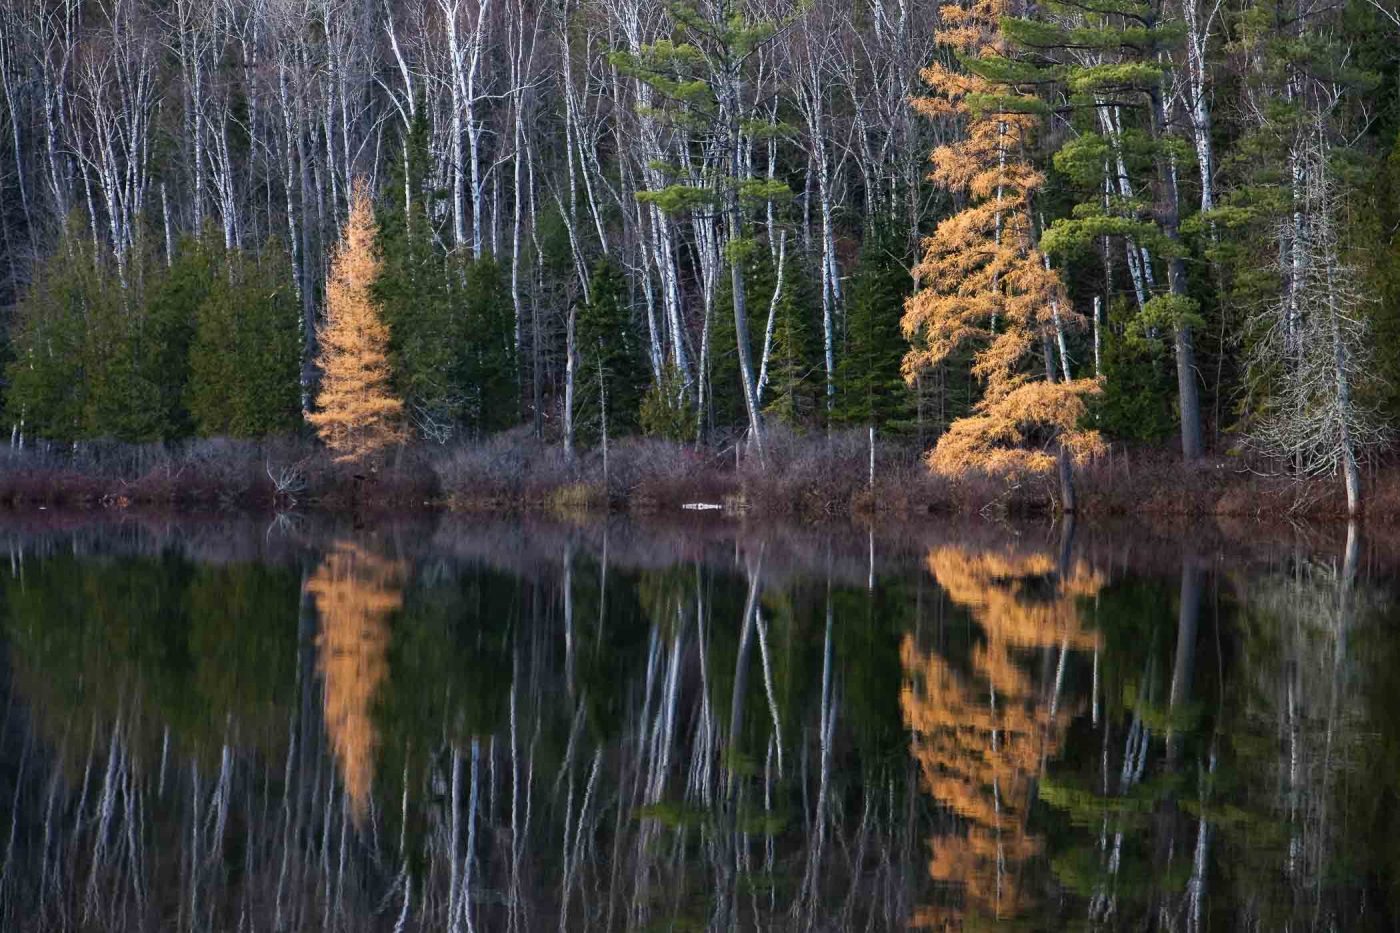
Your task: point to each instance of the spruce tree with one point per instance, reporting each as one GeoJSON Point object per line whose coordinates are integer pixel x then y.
{"type": "Point", "coordinates": [173, 299]}
{"type": "Point", "coordinates": [612, 367]}
{"type": "Point", "coordinates": [419, 296]}
{"type": "Point", "coordinates": [47, 374]}
{"type": "Point", "coordinates": [491, 378]}
{"type": "Point", "coordinates": [84, 363]}
{"type": "Point", "coordinates": [793, 387]}
{"type": "Point", "coordinates": [871, 386]}
{"type": "Point", "coordinates": [268, 345]}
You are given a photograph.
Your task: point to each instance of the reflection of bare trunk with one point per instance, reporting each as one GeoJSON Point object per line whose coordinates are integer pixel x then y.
{"type": "Point", "coordinates": [1188, 615]}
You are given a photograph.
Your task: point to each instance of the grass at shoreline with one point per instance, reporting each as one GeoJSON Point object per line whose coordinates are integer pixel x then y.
{"type": "Point", "coordinates": [805, 476]}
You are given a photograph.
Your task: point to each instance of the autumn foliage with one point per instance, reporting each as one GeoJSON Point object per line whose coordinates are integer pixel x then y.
{"type": "Point", "coordinates": [981, 733]}
{"type": "Point", "coordinates": [355, 593]}
{"type": "Point", "coordinates": [984, 283]}
{"type": "Point", "coordinates": [357, 415]}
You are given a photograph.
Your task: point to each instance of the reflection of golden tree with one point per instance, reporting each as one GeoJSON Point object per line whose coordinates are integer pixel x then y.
{"type": "Point", "coordinates": [355, 592]}
{"type": "Point", "coordinates": [980, 737]}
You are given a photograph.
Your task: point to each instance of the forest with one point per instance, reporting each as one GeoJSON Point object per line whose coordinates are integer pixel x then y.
{"type": "Point", "coordinates": [1013, 237]}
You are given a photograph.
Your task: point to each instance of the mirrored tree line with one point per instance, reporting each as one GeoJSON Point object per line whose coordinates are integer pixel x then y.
{"type": "Point", "coordinates": [356, 737]}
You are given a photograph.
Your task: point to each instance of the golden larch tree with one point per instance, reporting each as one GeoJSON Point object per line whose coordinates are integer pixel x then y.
{"type": "Point", "coordinates": [983, 281]}
{"type": "Point", "coordinates": [355, 593]}
{"type": "Point", "coordinates": [357, 415]}
{"type": "Point", "coordinates": [982, 734]}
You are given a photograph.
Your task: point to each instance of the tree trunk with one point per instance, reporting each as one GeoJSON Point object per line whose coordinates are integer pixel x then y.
{"type": "Point", "coordinates": [1188, 398]}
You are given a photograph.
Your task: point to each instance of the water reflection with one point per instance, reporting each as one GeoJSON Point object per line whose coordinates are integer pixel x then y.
{"type": "Point", "coordinates": [355, 593]}
{"type": "Point", "coordinates": [448, 727]}
{"type": "Point", "coordinates": [984, 726]}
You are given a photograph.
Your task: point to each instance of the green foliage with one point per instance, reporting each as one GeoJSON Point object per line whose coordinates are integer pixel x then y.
{"type": "Point", "coordinates": [1139, 384]}
{"type": "Point", "coordinates": [793, 350]}
{"type": "Point", "coordinates": [172, 303]}
{"type": "Point", "coordinates": [492, 378]}
{"type": "Point", "coordinates": [84, 365]}
{"type": "Point", "coordinates": [418, 294]}
{"type": "Point", "coordinates": [245, 354]}
{"type": "Point", "coordinates": [612, 363]}
{"type": "Point", "coordinates": [870, 387]}
{"type": "Point", "coordinates": [794, 383]}
{"type": "Point", "coordinates": [664, 412]}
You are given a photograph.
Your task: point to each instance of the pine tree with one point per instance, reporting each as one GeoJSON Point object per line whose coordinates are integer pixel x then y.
{"type": "Point", "coordinates": [1114, 57]}
{"type": "Point", "coordinates": [871, 388]}
{"type": "Point", "coordinates": [357, 415]}
{"type": "Point", "coordinates": [984, 281]}
{"type": "Point", "coordinates": [700, 78]}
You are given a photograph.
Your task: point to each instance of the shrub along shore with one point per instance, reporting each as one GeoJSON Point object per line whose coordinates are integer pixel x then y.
{"type": "Point", "coordinates": [807, 476]}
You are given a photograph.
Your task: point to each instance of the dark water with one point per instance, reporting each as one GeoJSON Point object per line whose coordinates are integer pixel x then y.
{"type": "Point", "coordinates": [493, 726]}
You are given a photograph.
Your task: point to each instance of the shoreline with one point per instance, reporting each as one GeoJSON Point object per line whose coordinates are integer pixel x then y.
{"type": "Point", "coordinates": [807, 478]}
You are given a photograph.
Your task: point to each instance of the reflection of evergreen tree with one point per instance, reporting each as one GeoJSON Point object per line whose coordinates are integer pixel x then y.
{"type": "Point", "coordinates": [199, 649]}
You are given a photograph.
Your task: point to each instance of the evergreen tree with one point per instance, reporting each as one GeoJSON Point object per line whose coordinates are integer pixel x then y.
{"type": "Point", "coordinates": [664, 412]}
{"type": "Point", "coordinates": [357, 415]}
{"type": "Point", "coordinates": [268, 348]}
{"type": "Point", "coordinates": [46, 375]}
{"type": "Point", "coordinates": [792, 389]}
{"type": "Point", "coordinates": [1137, 393]}
{"type": "Point", "coordinates": [871, 386]}
{"type": "Point", "coordinates": [173, 299]}
{"type": "Point", "coordinates": [612, 367]}
{"type": "Point", "coordinates": [82, 362]}
{"type": "Point", "coordinates": [1113, 59]}
{"type": "Point", "coordinates": [491, 379]}
{"type": "Point", "coordinates": [245, 353]}
{"type": "Point", "coordinates": [418, 295]}
{"type": "Point", "coordinates": [700, 80]}
{"type": "Point", "coordinates": [789, 387]}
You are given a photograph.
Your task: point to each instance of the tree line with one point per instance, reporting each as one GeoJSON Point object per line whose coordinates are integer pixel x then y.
{"type": "Point", "coordinates": [1141, 219]}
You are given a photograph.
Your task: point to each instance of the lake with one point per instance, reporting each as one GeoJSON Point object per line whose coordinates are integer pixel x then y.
{"type": "Point", "coordinates": [697, 723]}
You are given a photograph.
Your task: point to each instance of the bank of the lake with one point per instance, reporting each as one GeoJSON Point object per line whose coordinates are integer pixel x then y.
{"type": "Point", "coordinates": [807, 476]}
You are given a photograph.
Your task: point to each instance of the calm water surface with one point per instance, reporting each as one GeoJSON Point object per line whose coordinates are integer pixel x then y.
{"type": "Point", "coordinates": [456, 725]}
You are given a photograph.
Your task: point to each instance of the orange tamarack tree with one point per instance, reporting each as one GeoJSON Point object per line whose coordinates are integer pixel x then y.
{"type": "Point", "coordinates": [358, 416]}
{"type": "Point", "coordinates": [982, 732]}
{"type": "Point", "coordinates": [983, 281]}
